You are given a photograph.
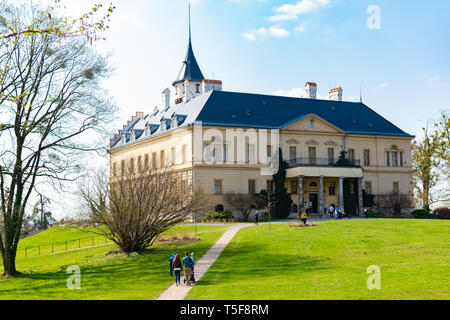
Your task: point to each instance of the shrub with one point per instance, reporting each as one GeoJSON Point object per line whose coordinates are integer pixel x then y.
{"type": "Point", "coordinates": [442, 213]}
{"type": "Point", "coordinates": [225, 216]}
{"type": "Point", "coordinates": [347, 215]}
{"type": "Point", "coordinates": [371, 214]}
{"type": "Point", "coordinates": [423, 214]}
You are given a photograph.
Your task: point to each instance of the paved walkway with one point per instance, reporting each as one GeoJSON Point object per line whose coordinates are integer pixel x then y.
{"type": "Point", "coordinates": [202, 266]}
{"type": "Point", "coordinates": [180, 292]}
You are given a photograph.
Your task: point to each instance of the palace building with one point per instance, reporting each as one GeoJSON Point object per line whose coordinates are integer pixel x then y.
{"type": "Point", "coordinates": [195, 132]}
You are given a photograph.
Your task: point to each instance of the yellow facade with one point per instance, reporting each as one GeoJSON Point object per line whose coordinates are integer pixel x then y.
{"type": "Point", "coordinates": [300, 140]}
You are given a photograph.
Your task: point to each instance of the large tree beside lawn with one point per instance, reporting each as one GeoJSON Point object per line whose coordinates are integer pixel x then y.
{"type": "Point", "coordinates": [51, 103]}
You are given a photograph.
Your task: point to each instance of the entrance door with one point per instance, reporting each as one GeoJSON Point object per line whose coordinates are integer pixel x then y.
{"type": "Point", "coordinates": [314, 199]}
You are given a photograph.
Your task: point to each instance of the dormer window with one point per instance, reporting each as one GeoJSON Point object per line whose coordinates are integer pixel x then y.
{"type": "Point", "coordinates": [197, 88]}
{"type": "Point", "coordinates": [312, 124]}
{"type": "Point", "coordinates": [174, 121]}
{"type": "Point", "coordinates": [163, 125]}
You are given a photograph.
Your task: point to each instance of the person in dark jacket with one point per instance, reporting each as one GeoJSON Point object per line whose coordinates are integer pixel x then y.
{"type": "Point", "coordinates": [256, 217]}
{"type": "Point", "coordinates": [171, 262]}
{"type": "Point", "coordinates": [177, 266]}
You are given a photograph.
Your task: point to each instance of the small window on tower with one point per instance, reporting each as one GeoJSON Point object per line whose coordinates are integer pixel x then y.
{"type": "Point", "coordinates": [197, 88]}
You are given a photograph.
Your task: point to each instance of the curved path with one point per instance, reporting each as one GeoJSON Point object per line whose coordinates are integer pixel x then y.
{"type": "Point", "coordinates": [202, 266]}
{"type": "Point", "coordinates": [180, 292]}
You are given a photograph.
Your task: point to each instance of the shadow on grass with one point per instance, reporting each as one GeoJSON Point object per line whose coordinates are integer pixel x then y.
{"type": "Point", "coordinates": [263, 264]}
{"type": "Point", "coordinates": [116, 276]}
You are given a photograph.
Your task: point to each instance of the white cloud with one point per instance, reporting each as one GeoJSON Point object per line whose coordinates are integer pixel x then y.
{"type": "Point", "coordinates": [298, 92]}
{"type": "Point", "coordinates": [383, 85]}
{"type": "Point", "coordinates": [262, 33]}
{"type": "Point", "coordinates": [245, 1]}
{"type": "Point", "coordinates": [292, 11]}
{"type": "Point", "coordinates": [294, 92]}
{"type": "Point", "coordinates": [278, 32]}
{"type": "Point", "coordinates": [433, 79]}
{"type": "Point", "coordinates": [301, 28]}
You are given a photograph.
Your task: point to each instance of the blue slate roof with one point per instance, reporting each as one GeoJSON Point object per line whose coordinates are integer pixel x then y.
{"type": "Point", "coordinates": [276, 112]}
{"type": "Point", "coordinates": [190, 69]}
{"type": "Point", "coordinates": [244, 110]}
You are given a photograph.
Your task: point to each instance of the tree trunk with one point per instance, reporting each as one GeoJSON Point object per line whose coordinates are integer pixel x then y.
{"type": "Point", "coordinates": [426, 195]}
{"type": "Point", "coordinates": [9, 263]}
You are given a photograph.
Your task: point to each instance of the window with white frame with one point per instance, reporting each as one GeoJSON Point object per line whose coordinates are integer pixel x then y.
{"type": "Point", "coordinates": [251, 155]}
{"type": "Point", "coordinates": [218, 187]}
{"type": "Point", "coordinates": [225, 152]}
{"type": "Point", "coordinates": [367, 157]}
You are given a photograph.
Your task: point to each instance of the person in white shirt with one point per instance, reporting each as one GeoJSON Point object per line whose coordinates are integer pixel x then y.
{"type": "Point", "coordinates": [331, 211]}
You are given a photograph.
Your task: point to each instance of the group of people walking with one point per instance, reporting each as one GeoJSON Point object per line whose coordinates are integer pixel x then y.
{"type": "Point", "coordinates": [335, 212]}
{"type": "Point", "coordinates": [176, 266]}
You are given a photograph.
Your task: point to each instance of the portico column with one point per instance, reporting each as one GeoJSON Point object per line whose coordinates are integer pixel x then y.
{"type": "Point", "coordinates": [321, 197]}
{"type": "Point", "coordinates": [360, 196]}
{"type": "Point", "coordinates": [341, 193]}
{"type": "Point", "coordinates": [300, 191]}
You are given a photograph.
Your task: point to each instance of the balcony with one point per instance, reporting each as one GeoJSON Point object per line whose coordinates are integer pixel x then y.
{"type": "Point", "coordinates": [321, 162]}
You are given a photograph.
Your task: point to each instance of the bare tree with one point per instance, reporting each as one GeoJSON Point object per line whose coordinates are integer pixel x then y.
{"type": "Point", "coordinates": [393, 204]}
{"type": "Point", "coordinates": [244, 203]}
{"type": "Point", "coordinates": [132, 210]}
{"type": "Point", "coordinates": [52, 109]}
{"type": "Point", "coordinates": [48, 22]}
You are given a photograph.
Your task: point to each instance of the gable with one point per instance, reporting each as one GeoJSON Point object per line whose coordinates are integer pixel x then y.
{"type": "Point", "coordinates": [312, 123]}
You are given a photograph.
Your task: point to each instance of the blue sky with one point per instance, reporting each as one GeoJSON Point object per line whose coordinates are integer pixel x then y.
{"type": "Point", "coordinates": [274, 47]}
{"type": "Point", "coordinates": [402, 68]}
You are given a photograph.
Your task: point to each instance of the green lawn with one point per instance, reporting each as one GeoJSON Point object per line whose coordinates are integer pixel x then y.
{"type": "Point", "coordinates": [102, 276]}
{"type": "Point", "coordinates": [330, 262]}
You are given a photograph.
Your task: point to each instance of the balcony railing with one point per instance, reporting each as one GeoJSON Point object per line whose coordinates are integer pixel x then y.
{"type": "Point", "coordinates": [322, 162]}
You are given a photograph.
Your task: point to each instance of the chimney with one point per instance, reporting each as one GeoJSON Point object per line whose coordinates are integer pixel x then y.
{"type": "Point", "coordinates": [166, 98]}
{"type": "Point", "coordinates": [336, 94]}
{"type": "Point", "coordinates": [311, 90]}
{"type": "Point", "coordinates": [211, 85]}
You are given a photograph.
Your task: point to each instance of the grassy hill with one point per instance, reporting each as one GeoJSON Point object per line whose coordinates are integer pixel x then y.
{"type": "Point", "coordinates": [102, 276]}
{"type": "Point", "coordinates": [330, 262]}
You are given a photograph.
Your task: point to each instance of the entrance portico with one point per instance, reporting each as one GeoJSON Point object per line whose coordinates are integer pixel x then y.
{"type": "Point", "coordinates": [326, 184]}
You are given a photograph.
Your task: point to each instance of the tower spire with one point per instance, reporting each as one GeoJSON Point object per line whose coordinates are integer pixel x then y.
{"type": "Point", "coordinates": [190, 69]}
{"type": "Point", "coordinates": [189, 21]}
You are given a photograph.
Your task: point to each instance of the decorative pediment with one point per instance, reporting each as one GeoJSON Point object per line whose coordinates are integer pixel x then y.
{"type": "Point", "coordinates": [394, 147]}
{"type": "Point", "coordinates": [293, 141]}
{"type": "Point", "coordinates": [331, 143]}
{"type": "Point", "coordinates": [312, 123]}
{"type": "Point", "coordinates": [312, 143]}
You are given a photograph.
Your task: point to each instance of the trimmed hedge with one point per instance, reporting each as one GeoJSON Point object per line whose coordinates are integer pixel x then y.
{"type": "Point", "coordinates": [423, 214]}
{"type": "Point", "coordinates": [218, 216]}
{"type": "Point", "coordinates": [371, 214]}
